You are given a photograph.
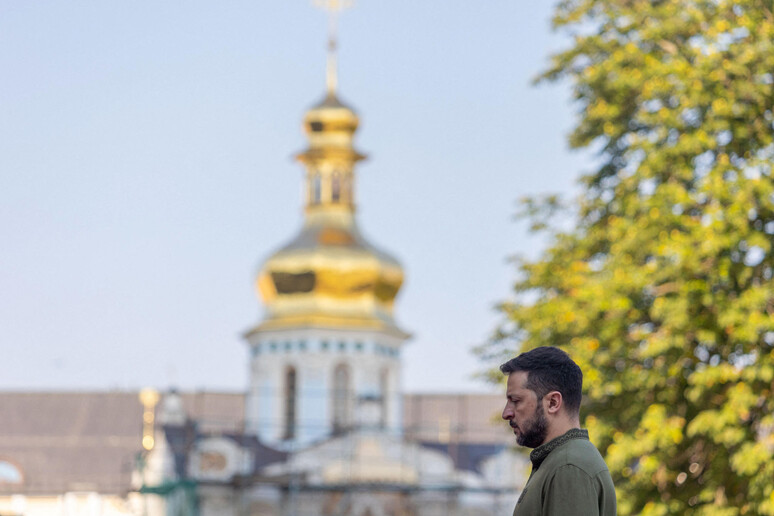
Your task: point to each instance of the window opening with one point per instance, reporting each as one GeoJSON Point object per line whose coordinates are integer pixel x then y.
{"type": "Point", "coordinates": [336, 187]}
{"type": "Point", "coordinates": [290, 403]}
{"type": "Point", "coordinates": [341, 398]}
{"type": "Point", "coordinates": [384, 388]}
{"type": "Point", "coordinates": [316, 188]}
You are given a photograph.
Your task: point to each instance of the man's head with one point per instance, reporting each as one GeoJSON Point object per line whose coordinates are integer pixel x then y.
{"type": "Point", "coordinates": [544, 395]}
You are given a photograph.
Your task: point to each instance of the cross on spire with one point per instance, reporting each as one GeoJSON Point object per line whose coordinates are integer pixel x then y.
{"type": "Point", "coordinates": [333, 7]}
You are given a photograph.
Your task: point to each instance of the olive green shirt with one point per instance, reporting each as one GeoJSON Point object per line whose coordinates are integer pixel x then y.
{"type": "Point", "coordinates": [569, 478]}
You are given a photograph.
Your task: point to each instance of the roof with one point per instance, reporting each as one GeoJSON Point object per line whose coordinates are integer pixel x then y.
{"type": "Point", "coordinates": [88, 441]}
{"type": "Point", "coordinates": [181, 440]}
{"type": "Point", "coordinates": [466, 456]}
{"type": "Point", "coordinates": [70, 441]}
{"type": "Point", "coordinates": [455, 418]}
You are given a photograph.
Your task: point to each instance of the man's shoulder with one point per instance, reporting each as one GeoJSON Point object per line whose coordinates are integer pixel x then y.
{"type": "Point", "coordinates": [573, 479]}
{"type": "Point", "coordinates": [580, 453]}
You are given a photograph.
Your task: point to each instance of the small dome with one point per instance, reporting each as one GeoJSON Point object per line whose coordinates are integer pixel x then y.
{"type": "Point", "coordinates": [172, 411]}
{"type": "Point", "coordinates": [331, 115]}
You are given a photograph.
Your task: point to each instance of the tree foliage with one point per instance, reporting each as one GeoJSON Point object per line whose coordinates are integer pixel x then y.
{"type": "Point", "coordinates": [663, 289]}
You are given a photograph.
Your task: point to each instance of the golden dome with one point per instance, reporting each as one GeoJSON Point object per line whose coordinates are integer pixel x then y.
{"type": "Point", "coordinates": [330, 127]}
{"type": "Point", "coordinates": [331, 114]}
{"type": "Point", "coordinates": [329, 275]}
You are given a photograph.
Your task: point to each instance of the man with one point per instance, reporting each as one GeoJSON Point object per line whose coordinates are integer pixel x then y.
{"type": "Point", "coordinates": [569, 476]}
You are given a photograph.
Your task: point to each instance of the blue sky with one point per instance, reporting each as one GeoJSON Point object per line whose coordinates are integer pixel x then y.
{"type": "Point", "coordinates": [146, 172]}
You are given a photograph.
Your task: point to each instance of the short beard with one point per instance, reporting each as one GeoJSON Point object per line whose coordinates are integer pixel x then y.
{"type": "Point", "coordinates": [533, 432]}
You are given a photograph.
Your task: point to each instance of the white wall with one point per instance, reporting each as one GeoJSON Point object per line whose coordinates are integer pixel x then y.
{"type": "Point", "coordinates": [366, 353]}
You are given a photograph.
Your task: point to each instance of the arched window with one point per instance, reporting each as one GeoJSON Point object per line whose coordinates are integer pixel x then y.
{"type": "Point", "coordinates": [336, 187]}
{"type": "Point", "coordinates": [316, 187]}
{"type": "Point", "coordinates": [290, 392]}
{"type": "Point", "coordinates": [341, 399]}
{"type": "Point", "coordinates": [384, 388]}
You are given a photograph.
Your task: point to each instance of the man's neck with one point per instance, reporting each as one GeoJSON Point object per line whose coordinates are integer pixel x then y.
{"type": "Point", "coordinates": [559, 428]}
{"type": "Point", "coordinates": [539, 454]}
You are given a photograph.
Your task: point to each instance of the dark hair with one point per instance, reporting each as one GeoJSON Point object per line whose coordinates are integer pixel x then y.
{"type": "Point", "coordinates": [550, 369]}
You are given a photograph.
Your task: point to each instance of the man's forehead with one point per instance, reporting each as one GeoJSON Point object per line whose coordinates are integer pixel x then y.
{"type": "Point", "coordinates": [517, 381]}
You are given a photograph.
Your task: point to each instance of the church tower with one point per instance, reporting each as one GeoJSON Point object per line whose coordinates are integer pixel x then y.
{"type": "Point", "coordinates": [325, 359]}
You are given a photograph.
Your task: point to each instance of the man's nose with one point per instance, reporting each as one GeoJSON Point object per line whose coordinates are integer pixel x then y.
{"type": "Point", "coordinates": [507, 413]}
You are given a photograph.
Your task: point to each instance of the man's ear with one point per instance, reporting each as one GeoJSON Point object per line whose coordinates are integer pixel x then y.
{"type": "Point", "coordinates": [552, 402]}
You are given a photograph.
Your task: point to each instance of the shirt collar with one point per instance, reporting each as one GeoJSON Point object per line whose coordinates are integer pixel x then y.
{"type": "Point", "coordinates": [539, 454]}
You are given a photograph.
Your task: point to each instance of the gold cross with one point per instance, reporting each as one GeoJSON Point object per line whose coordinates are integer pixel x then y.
{"type": "Point", "coordinates": [333, 7]}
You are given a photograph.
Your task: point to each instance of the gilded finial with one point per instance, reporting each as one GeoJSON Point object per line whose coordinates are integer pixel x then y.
{"type": "Point", "coordinates": [149, 399]}
{"type": "Point", "coordinates": [333, 7]}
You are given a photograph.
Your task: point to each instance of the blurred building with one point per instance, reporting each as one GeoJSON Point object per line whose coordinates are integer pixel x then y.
{"type": "Point", "coordinates": [324, 427]}
{"type": "Point", "coordinates": [81, 453]}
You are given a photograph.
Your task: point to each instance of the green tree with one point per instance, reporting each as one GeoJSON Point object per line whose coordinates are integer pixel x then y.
{"type": "Point", "coordinates": [662, 290]}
